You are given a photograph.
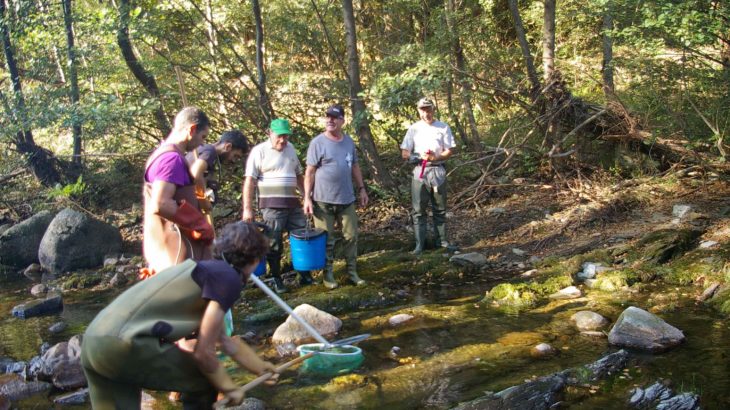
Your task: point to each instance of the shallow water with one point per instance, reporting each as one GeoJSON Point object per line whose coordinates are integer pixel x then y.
{"type": "Point", "coordinates": [455, 350]}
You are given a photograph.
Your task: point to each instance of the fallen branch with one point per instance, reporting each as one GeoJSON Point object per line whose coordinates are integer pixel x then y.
{"type": "Point", "coordinates": [12, 175]}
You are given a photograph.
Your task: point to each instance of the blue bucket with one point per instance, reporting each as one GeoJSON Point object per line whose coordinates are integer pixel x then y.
{"type": "Point", "coordinates": [261, 268]}
{"type": "Point", "coordinates": [308, 247]}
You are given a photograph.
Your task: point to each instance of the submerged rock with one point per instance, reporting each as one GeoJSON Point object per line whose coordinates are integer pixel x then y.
{"type": "Point", "coordinates": [76, 398]}
{"type": "Point", "coordinates": [15, 388]}
{"type": "Point", "coordinates": [587, 320]}
{"type": "Point", "coordinates": [638, 329]}
{"type": "Point", "coordinates": [399, 319]}
{"type": "Point", "coordinates": [539, 394]}
{"type": "Point", "coordinates": [543, 350]}
{"type": "Point", "coordinates": [571, 292]}
{"type": "Point", "coordinates": [52, 304]}
{"type": "Point", "coordinates": [250, 403]}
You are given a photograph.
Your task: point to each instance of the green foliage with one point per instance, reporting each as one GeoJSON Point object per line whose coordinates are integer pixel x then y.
{"type": "Point", "coordinates": [71, 191]}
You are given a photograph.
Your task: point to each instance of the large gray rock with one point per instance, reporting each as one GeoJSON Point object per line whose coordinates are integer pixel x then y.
{"type": "Point", "coordinates": [19, 244]}
{"type": "Point", "coordinates": [292, 332]}
{"type": "Point", "coordinates": [638, 329]}
{"type": "Point", "coordinates": [51, 304]}
{"type": "Point", "coordinates": [75, 241]}
{"type": "Point", "coordinates": [469, 260]}
{"type": "Point", "coordinates": [61, 364]}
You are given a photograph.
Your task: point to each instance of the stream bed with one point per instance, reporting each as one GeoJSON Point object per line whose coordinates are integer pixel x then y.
{"type": "Point", "coordinates": [454, 350]}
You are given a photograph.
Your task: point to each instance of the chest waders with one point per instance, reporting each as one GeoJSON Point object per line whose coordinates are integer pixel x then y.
{"type": "Point", "coordinates": [129, 345]}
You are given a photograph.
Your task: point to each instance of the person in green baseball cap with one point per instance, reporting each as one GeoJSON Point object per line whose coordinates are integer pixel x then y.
{"type": "Point", "coordinates": [274, 169]}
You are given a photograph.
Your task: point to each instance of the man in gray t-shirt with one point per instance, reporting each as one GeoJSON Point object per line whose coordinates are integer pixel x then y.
{"type": "Point", "coordinates": [328, 190]}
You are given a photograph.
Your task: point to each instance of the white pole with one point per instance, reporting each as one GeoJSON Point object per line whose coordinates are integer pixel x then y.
{"type": "Point", "coordinates": [289, 310]}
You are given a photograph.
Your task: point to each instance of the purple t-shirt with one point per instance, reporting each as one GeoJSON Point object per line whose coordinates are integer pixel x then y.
{"type": "Point", "coordinates": [169, 167]}
{"type": "Point", "coordinates": [219, 281]}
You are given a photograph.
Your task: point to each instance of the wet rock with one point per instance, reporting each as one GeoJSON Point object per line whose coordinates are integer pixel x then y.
{"type": "Point", "coordinates": [39, 290]}
{"type": "Point", "coordinates": [660, 396]}
{"type": "Point", "coordinates": [684, 401]}
{"type": "Point", "coordinates": [34, 366]}
{"type": "Point", "coordinates": [587, 320]}
{"type": "Point", "coordinates": [76, 398]}
{"type": "Point", "coordinates": [543, 350]}
{"type": "Point", "coordinates": [639, 329]}
{"type": "Point", "coordinates": [394, 352]}
{"type": "Point", "coordinates": [33, 272]}
{"type": "Point", "coordinates": [292, 332]}
{"type": "Point", "coordinates": [62, 365]}
{"type": "Point", "coordinates": [518, 252]}
{"type": "Point", "coordinates": [75, 241]}
{"type": "Point", "coordinates": [15, 388]}
{"type": "Point", "coordinates": [57, 327]}
{"type": "Point", "coordinates": [5, 227]}
{"type": "Point", "coordinates": [588, 272]}
{"type": "Point", "coordinates": [19, 244]}
{"type": "Point", "coordinates": [399, 319]}
{"type": "Point", "coordinates": [592, 333]}
{"type": "Point", "coordinates": [539, 394]}
{"type": "Point", "coordinates": [608, 365]}
{"type": "Point", "coordinates": [16, 367]}
{"type": "Point", "coordinates": [52, 304]}
{"type": "Point", "coordinates": [471, 260]}
{"type": "Point", "coordinates": [571, 292]}
{"type": "Point", "coordinates": [4, 363]}
{"type": "Point", "coordinates": [249, 403]}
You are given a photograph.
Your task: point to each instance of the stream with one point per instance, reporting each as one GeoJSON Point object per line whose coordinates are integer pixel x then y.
{"type": "Point", "coordinates": [454, 350]}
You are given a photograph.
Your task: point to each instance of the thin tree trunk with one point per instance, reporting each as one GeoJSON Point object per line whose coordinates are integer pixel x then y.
{"type": "Point", "coordinates": [41, 161]}
{"type": "Point", "coordinates": [264, 101]}
{"type": "Point", "coordinates": [461, 77]}
{"type": "Point", "coordinates": [139, 72]}
{"type": "Point", "coordinates": [55, 55]}
{"type": "Point", "coordinates": [452, 113]}
{"type": "Point", "coordinates": [520, 31]}
{"type": "Point", "coordinates": [607, 66]}
{"type": "Point", "coordinates": [212, 50]}
{"type": "Point", "coordinates": [359, 110]}
{"type": "Point", "coordinates": [548, 39]}
{"type": "Point", "coordinates": [74, 80]}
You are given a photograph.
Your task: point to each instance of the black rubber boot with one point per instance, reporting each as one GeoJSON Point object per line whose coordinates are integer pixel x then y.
{"type": "Point", "coordinates": [275, 271]}
{"type": "Point", "coordinates": [419, 231]}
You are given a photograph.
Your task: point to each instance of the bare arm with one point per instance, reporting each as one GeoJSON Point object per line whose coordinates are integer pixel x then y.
{"type": "Point", "coordinates": [308, 186]}
{"type": "Point", "coordinates": [162, 202]}
{"type": "Point", "coordinates": [360, 185]}
{"type": "Point", "coordinates": [198, 169]}
{"type": "Point", "coordinates": [445, 154]}
{"type": "Point", "coordinates": [249, 186]}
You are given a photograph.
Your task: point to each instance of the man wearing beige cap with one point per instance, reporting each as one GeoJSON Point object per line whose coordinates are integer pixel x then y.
{"type": "Point", "coordinates": [427, 145]}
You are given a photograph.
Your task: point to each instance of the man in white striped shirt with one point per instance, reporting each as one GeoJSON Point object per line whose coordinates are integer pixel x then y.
{"type": "Point", "coordinates": [273, 168]}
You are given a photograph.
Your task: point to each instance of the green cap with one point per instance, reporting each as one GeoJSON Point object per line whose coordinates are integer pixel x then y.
{"type": "Point", "coordinates": [280, 127]}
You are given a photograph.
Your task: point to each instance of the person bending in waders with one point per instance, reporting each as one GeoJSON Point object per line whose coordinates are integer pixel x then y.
{"type": "Point", "coordinates": [132, 344]}
{"type": "Point", "coordinates": [174, 228]}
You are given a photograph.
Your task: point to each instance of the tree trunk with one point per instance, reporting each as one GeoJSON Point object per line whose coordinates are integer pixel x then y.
{"type": "Point", "coordinates": [41, 162]}
{"type": "Point", "coordinates": [520, 31]}
{"type": "Point", "coordinates": [264, 101]}
{"type": "Point", "coordinates": [607, 66]}
{"type": "Point", "coordinates": [212, 50]}
{"type": "Point", "coordinates": [145, 78]}
{"type": "Point", "coordinates": [74, 80]}
{"type": "Point", "coordinates": [359, 111]}
{"type": "Point", "coordinates": [458, 52]}
{"type": "Point", "coordinates": [548, 39]}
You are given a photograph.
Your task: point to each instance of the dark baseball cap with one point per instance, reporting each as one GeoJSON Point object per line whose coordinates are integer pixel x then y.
{"type": "Point", "coordinates": [336, 111]}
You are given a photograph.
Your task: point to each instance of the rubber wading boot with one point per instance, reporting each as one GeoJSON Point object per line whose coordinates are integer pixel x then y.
{"type": "Point", "coordinates": [419, 232]}
{"type": "Point", "coordinates": [356, 280]}
{"type": "Point", "coordinates": [305, 278]}
{"type": "Point", "coordinates": [279, 286]}
{"type": "Point", "coordinates": [329, 279]}
{"type": "Point", "coordinates": [440, 239]}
